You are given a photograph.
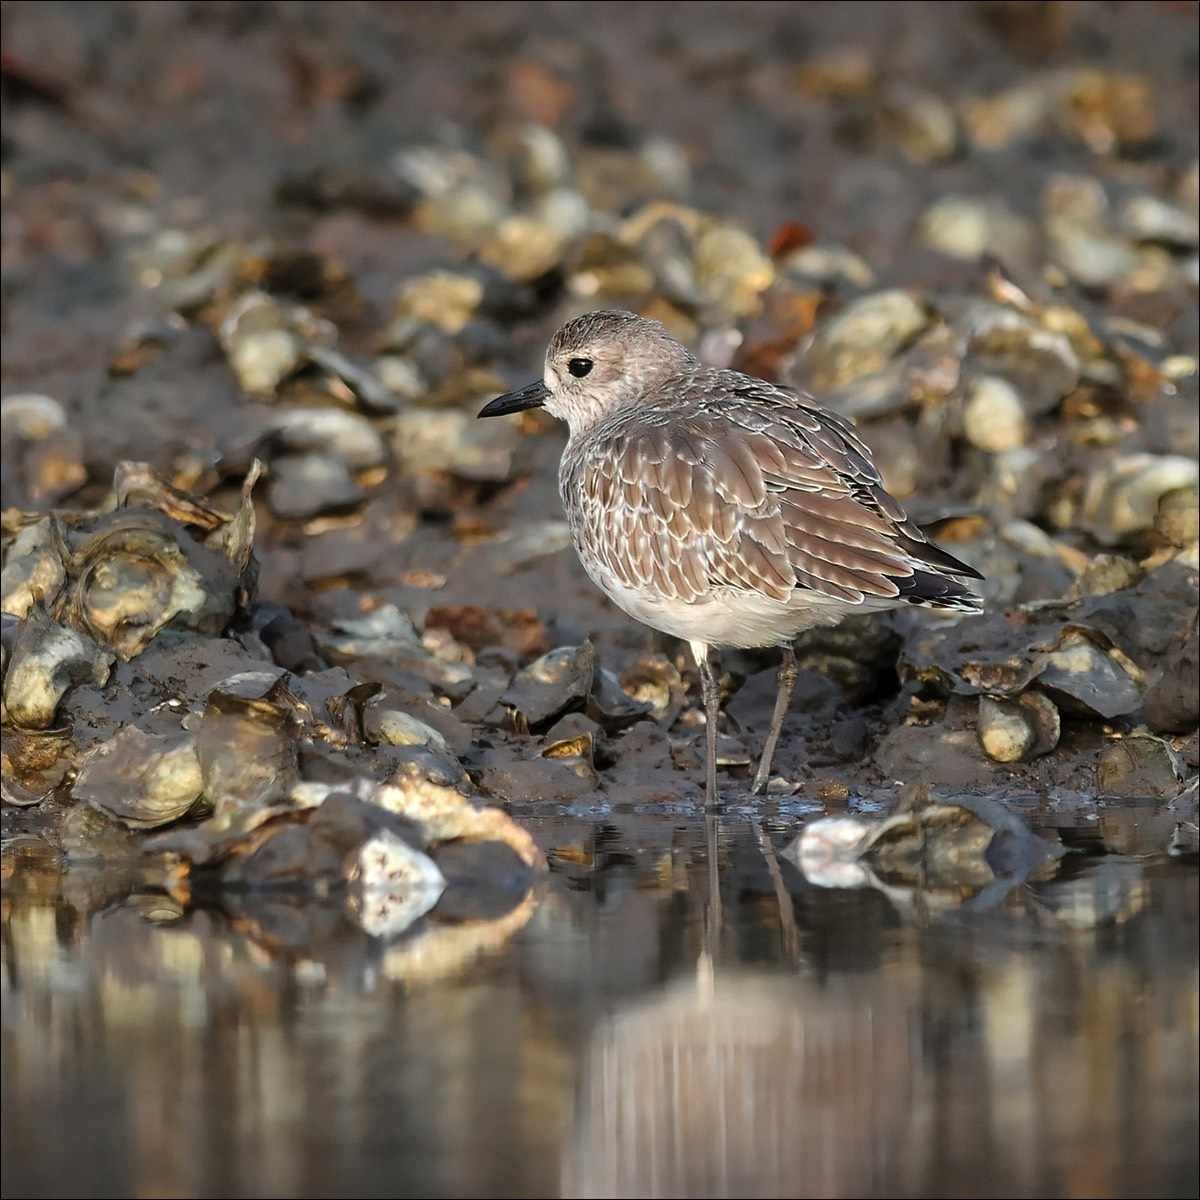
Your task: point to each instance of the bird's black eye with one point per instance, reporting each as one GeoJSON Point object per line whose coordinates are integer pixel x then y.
{"type": "Point", "coordinates": [579, 367]}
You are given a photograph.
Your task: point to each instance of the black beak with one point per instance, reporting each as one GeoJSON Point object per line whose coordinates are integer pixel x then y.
{"type": "Point", "coordinates": [533, 395]}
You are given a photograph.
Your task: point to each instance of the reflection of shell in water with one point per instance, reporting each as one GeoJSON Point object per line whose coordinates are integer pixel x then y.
{"type": "Point", "coordinates": [395, 885]}
{"type": "Point", "coordinates": [1110, 892]}
{"type": "Point", "coordinates": [947, 850]}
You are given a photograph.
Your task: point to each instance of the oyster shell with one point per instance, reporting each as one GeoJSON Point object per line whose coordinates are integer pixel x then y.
{"type": "Point", "coordinates": [136, 572]}
{"type": "Point", "coordinates": [1122, 498]}
{"type": "Point", "coordinates": [861, 340]}
{"type": "Point", "coordinates": [265, 340]}
{"type": "Point", "coordinates": [33, 568]}
{"type": "Point", "coordinates": [142, 780]}
{"type": "Point", "coordinates": [47, 659]}
{"type": "Point", "coordinates": [550, 685]}
{"type": "Point", "coordinates": [247, 741]}
{"type": "Point", "coordinates": [1018, 728]}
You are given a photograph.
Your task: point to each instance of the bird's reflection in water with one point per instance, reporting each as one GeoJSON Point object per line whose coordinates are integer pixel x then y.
{"type": "Point", "coordinates": [742, 1083]}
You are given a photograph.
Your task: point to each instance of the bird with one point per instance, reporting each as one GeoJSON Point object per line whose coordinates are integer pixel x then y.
{"type": "Point", "coordinates": [722, 509]}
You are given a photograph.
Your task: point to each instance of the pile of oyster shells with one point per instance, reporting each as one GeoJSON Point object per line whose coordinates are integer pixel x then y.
{"type": "Point", "coordinates": [139, 688]}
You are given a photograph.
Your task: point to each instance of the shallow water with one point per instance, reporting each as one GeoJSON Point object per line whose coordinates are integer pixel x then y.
{"type": "Point", "coordinates": [620, 1031]}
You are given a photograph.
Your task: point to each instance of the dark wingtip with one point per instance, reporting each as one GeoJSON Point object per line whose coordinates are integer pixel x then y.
{"type": "Point", "coordinates": [943, 560]}
{"type": "Point", "coordinates": [939, 591]}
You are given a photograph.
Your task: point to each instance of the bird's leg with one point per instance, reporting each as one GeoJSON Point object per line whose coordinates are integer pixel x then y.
{"type": "Point", "coordinates": [787, 681]}
{"type": "Point", "coordinates": [711, 692]}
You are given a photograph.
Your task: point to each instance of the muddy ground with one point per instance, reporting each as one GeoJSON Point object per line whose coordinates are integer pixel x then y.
{"type": "Point", "coordinates": [320, 237]}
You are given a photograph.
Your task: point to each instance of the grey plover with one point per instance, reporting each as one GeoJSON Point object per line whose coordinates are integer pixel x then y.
{"type": "Point", "coordinates": [722, 509]}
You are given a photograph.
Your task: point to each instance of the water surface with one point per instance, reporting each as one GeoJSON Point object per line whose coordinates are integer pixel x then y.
{"type": "Point", "coordinates": [623, 1030]}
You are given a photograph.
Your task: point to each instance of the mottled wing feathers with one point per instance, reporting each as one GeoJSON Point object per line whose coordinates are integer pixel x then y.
{"type": "Point", "coordinates": [746, 487]}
